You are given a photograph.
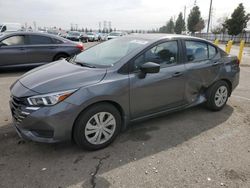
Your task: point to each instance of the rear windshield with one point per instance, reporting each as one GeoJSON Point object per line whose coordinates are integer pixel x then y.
{"type": "Point", "coordinates": [74, 33]}
{"type": "Point", "coordinates": [115, 34]}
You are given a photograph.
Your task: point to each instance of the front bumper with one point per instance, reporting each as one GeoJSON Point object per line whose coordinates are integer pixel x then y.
{"type": "Point", "coordinates": [45, 124]}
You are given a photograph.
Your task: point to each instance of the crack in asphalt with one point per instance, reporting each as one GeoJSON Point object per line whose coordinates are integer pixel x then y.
{"type": "Point", "coordinates": [97, 168]}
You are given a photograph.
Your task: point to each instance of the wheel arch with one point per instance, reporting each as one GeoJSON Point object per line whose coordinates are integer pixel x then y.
{"type": "Point", "coordinates": [115, 104]}
{"type": "Point", "coordinates": [60, 53]}
{"type": "Point", "coordinates": [229, 84]}
{"type": "Point", "coordinates": [225, 80]}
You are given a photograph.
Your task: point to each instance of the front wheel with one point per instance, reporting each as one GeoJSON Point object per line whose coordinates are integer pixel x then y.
{"type": "Point", "coordinates": [217, 96]}
{"type": "Point", "coordinates": [97, 127]}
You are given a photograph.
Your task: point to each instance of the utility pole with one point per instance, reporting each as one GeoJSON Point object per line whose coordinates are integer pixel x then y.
{"type": "Point", "coordinates": [185, 8]}
{"type": "Point", "coordinates": [209, 16]}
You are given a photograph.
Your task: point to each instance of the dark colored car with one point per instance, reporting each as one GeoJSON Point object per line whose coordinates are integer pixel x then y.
{"type": "Point", "coordinates": [32, 49]}
{"type": "Point", "coordinates": [93, 96]}
{"type": "Point", "coordinates": [77, 36]}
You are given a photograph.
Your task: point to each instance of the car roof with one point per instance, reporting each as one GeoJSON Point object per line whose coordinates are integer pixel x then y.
{"type": "Point", "coordinates": [30, 33]}
{"type": "Point", "coordinates": [160, 36]}
{"type": "Point", "coordinates": [7, 34]}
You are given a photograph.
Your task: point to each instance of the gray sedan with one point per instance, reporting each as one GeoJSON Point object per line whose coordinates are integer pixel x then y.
{"type": "Point", "coordinates": [33, 49]}
{"type": "Point", "coordinates": [92, 97]}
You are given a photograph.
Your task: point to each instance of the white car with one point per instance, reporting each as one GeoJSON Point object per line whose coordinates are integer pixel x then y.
{"type": "Point", "coordinates": [92, 36]}
{"type": "Point", "coordinates": [115, 34]}
{"type": "Point", "coordinates": [10, 27]}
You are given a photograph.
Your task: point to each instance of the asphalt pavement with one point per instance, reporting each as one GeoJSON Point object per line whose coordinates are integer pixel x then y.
{"type": "Point", "coordinates": [190, 148]}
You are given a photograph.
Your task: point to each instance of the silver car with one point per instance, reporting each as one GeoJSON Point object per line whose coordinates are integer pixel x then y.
{"type": "Point", "coordinates": [92, 97]}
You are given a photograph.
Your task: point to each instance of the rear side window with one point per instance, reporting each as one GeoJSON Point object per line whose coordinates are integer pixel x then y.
{"type": "Point", "coordinates": [198, 51]}
{"type": "Point", "coordinates": [13, 41]}
{"type": "Point", "coordinates": [36, 39]}
{"type": "Point", "coordinates": [212, 51]}
{"type": "Point", "coordinates": [57, 41]}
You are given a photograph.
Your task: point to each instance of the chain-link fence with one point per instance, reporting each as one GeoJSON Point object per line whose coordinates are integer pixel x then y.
{"type": "Point", "coordinates": [225, 37]}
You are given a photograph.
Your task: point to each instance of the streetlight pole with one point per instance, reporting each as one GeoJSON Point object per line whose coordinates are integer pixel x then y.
{"type": "Point", "coordinates": [209, 16]}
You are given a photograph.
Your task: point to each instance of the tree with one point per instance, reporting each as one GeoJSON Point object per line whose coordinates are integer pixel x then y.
{"type": "Point", "coordinates": [170, 26]}
{"type": "Point", "coordinates": [163, 29]}
{"type": "Point", "coordinates": [217, 30]}
{"type": "Point", "coordinates": [179, 24]}
{"type": "Point", "coordinates": [238, 21]}
{"type": "Point", "coordinates": [86, 30]}
{"type": "Point", "coordinates": [195, 21]}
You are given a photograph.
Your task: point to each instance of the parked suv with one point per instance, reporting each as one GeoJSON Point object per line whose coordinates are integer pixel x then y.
{"type": "Point", "coordinates": [92, 97]}
{"type": "Point", "coordinates": [33, 49]}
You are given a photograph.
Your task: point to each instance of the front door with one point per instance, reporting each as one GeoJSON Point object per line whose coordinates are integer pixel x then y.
{"type": "Point", "coordinates": [13, 51]}
{"type": "Point", "coordinates": [159, 91]}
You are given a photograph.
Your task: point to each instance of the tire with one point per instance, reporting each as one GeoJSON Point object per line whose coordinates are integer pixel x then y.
{"type": "Point", "coordinates": [89, 135]}
{"type": "Point", "coordinates": [60, 56]}
{"type": "Point", "coordinates": [217, 96]}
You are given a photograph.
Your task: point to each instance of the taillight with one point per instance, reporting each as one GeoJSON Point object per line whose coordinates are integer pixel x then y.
{"type": "Point", "coordinates": [80, 46]}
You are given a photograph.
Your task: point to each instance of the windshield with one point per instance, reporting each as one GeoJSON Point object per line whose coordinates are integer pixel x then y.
{"type": "Point", "coordinates": [110, 52]}
{"type": "Point", "coordinates": [90, 33]}
{"type": "Point", "coordinates": [74, 33]}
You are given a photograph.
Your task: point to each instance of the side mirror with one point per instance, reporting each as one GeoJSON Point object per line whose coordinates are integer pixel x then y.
{"type": "Point", "coordinates": [150, 67]}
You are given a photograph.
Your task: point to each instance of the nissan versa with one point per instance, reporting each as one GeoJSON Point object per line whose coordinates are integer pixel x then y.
{"type": "Point", "coordinates": [91, 97]}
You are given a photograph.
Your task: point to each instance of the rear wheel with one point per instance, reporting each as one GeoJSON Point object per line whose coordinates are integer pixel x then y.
{"type": "Point", "coordinates": [217, 96]}
{"type": "Point", "coordinates": [97, 127]}
{"type": "Point", "coordinates": [60, 56]}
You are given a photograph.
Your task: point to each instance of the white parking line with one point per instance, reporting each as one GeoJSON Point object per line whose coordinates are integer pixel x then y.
{"type": "Point", "coordinates": [240, 97]}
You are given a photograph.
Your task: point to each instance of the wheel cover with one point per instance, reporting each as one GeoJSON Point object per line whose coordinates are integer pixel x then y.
{"type": "Point", "coordinates": [100, 128]}
{"type": "Point", "coordinates": [221, 96]}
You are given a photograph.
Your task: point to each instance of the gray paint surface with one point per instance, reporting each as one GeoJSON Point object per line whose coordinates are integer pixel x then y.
{"type": "Point", "coordinates": [34, 54]}
{"type": "Point", "coordinates": [138, 98]}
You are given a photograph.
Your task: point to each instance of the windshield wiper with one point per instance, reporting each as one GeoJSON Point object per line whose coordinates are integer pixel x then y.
{"type": "Point", "coordinates": [84, 64]}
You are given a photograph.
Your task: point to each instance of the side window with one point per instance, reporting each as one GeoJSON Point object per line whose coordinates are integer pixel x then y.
{"type": "Point", "coordinates": [212, 51]}
{"type": "Point", "coordinates": [13, 41]}
{"type": "Point", "coordinates": [36, 39]}
{"type": "Point", "coordinates": [164, 54]}
{"type": "Point", "coordinates": [196, 51]}
{"type": "Point", "coordinates": [4, 28]}
{"type": "Point", "coordinates": [57, 41]}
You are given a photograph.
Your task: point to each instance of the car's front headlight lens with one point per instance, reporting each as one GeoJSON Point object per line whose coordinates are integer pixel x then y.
{"type": "Point", "coordinates": [49, 99]}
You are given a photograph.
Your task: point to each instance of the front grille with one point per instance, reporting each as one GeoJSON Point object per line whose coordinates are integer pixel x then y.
{"type": "Point", "coordinates": [18, 111]}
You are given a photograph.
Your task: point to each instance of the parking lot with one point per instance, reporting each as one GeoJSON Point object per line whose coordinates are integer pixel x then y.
{"type": "Point", "coordinates": [190, 148]}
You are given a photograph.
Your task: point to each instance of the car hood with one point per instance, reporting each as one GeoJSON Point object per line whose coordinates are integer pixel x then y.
{"type": "Point", "coordinates": [61, 75]}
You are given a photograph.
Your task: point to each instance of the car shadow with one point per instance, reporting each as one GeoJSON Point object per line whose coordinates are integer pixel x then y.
{"type": "Point", "coordinates": [15, 71]}
{"type": "Point", "coordinates": [64, 164]}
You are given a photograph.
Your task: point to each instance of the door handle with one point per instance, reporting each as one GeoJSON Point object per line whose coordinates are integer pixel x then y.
{"type": "Point", "coordinates": [215, 63]}
{"type": "Point", "coordinates": [177, 74]}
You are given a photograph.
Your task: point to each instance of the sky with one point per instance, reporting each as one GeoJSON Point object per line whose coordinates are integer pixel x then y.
{"type": "Point", "coordinates": [124, 14]}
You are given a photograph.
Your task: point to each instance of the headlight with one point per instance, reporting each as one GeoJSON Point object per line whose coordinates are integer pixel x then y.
{"type": "Point", "coordinates": [49, 99]}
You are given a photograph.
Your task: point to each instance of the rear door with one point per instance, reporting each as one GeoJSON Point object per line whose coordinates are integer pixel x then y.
{"type": "Point", "coordinates": [203, 66]}
{"type": "Point", "coordinates": [159, 91]}
{"type": "Point", "coordinates": [13, 50]}
{"type": "Point", "coordinates": [41, 49]}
